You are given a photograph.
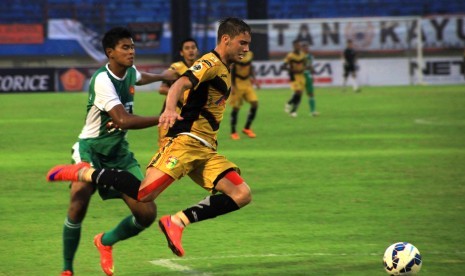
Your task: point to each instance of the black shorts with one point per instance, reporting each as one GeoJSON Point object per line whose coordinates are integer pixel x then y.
{"type": "Point", "coordinates": [349, 68]}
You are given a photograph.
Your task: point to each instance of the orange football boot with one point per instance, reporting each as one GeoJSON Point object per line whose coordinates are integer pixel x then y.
{"type": "Point", "coordinates": [235, 136]}
{"type": "Point", "coordinates": [66, 172]}
{"type": "Point", "coordinates": [106, 257]}
{"type": "Point", "coordinates": [173, 234]}
{"type": "Point", "coordinates": [249, 132]}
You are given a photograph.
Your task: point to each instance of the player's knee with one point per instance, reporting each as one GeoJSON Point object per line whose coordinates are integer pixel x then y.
{"type": "Point", "coordinates": [244, 196]}
{"type": "Point", "coordinates": [77, 211]}
{"type": "Point", "coordinates": [146, 215]}
{"type": "Point", "coordinates": [80, 198]}
{"type": "Point", "coordinates": [146, 219]}
{"type": "Point", "coordinates": [240, 192]}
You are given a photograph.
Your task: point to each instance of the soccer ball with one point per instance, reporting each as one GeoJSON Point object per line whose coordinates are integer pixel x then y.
{"type": "Point", "coordinates": [402, 258]}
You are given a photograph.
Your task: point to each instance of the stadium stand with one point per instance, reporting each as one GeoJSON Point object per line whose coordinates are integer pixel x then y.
{"type": "Point", "coordinates": [100, 15]}
{"type": "Point", "coordinates": [123, 12]}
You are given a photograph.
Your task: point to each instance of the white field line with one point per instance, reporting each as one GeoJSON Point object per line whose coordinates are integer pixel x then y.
{"type": "Point", "coordinates": [177, 267]}
{"type": "Point", "coordinates": [170, 263]}
{"type": "Point", "coordinates": [434, 122]}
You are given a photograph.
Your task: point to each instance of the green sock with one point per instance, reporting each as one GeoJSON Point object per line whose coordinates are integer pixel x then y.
{"type": "Point", "coordinates": [312, 104]}
{"type": "Point", "coordinates": [71, 237]}
{"type": "Point", "coordinates": [127, 228]}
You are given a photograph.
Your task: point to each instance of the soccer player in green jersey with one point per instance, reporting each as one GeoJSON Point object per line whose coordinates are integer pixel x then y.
{"type": "Point", "coordinates": [190, 147]}
{"type": "Point", "coordinates": [102, 143]}
{"type": "Point", "coordinates": [308, 73]}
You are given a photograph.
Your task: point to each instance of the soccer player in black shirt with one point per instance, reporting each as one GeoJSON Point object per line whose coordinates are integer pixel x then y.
{"type": "Point", "coordinates": [349, 57]}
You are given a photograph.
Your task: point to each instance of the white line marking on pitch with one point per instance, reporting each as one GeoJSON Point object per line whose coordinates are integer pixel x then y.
{"type": "Point", "coordinates": [177, 267]}
{"type": "Point", "coordinates": [169, 263]}
{"type": "Point", "coordinates": [425, 122]}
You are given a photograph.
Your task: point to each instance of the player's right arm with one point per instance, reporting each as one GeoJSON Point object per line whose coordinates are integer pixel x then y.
{"type": "Point", "coordinates": [169, 115]}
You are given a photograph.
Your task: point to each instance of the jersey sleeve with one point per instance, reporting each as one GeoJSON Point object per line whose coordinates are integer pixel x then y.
{"type": "Point", "coordinates": [138, 74]}
{"type": "Point", "coordinates": [287, 58]}
{"type": "Point", "coordinates": [202, 71]}
{"type": "Point", "coordinates": [105, 93]}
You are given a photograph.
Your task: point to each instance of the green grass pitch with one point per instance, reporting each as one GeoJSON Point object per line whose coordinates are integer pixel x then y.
{"type": "Point", "coordinates": [330, 194]}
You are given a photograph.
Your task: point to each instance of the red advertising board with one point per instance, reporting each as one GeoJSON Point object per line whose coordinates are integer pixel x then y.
{"type": "Point", "coordinates": [21, 34]}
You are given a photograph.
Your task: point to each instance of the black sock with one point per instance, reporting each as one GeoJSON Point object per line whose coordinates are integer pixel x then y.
{"type": "Point", "coordinates": [210, 207]}
{"type": "Point", "coordinates": [251, 117]}
{"type": "Point", "coordinates": [298, 97]}
{"type": "Point", "coordinates": [122, 181]}
{"type": "Point", "coordinates": [292, 100]}
{"type": "Point", "coordinates": [234, 120]}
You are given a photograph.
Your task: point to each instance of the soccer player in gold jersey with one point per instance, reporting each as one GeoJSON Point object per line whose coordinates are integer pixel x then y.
{"type": "Point", "coordinates": [190, 147]}
{"type": "Point", "coordinates": [243, 80]}
{"type": "Point", "coordinates": [295, 62]}
{"type": "Point", "coordinates": [189, 53]}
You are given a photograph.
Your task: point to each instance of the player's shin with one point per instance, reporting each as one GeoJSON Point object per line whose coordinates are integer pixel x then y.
{"type": "Point", "coordinates": [251, 117]}
{"type": "Point", "coordinates": [121, 181]}
{"type": "Point", "coordinates": [234, 120]}
{"type": "Point", "coordinates": [210, 207]}
{"type": "Point", "coordinates": [311, 102]}
{"type": "Point", "coordinates": [298, 97]}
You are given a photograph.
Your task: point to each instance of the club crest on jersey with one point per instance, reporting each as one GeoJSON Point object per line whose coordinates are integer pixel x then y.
{"type": "Point", "coordinates": [171, 162]}
{"type": "Point", "coordinates": [132, 90]}
{"type": "Point", "coordinates": [196, 67]}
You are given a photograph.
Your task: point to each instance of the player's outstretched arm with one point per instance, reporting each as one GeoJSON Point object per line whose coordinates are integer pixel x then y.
{"type": "Point", "coordinates": [125, 120]}
{"type": "Point", "coordinates": [167, 75]}
{"type": "Point", "coordinates": [169, 116]}
{"type": "Point", "coordinates": [163, 90]}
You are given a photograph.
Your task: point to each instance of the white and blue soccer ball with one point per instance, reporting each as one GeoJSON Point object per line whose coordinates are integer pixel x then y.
{"type": "Point", "coordinates": [402, 258]}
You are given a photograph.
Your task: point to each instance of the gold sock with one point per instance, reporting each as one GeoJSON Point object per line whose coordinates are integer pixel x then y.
{"type": "Point", "coordinates": [182, 219]}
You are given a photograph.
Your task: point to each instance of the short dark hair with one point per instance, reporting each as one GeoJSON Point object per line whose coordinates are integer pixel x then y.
{"type": "Point", "coordinates": [113, 36]}
{"type": "Point", "coordinates": [189, 39]}
{"type": "Point", "coordinates": [232, 26]}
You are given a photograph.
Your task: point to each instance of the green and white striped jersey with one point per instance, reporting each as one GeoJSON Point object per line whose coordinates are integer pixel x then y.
{"type": "Point", "coordinates": [105, 92]}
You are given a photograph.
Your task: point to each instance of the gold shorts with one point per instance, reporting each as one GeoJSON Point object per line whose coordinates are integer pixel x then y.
{"type": "Point", "coordinates": [184, 155]}
{"type": "Point", "coordinates": [242, 90]}
{"type": "Point", "coordinates": [161, 136]}
{"type": "Point", "coordinates": [298, 84]}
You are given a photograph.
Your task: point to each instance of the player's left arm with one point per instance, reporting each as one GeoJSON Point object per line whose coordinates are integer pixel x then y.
{"type": "Point", "coordinates": [146, 78]}
{"type": "Point", "coordinates": [253, 78]}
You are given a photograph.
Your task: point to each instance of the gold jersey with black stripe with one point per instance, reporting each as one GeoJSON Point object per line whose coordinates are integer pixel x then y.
{"type": "Point", "coordinates": [242, 69]}
{"type": "Point", "coordinates": [180, 67]}
{"type": "Point", "coordinates": [296, 61]}
{"type": "Point", "coordinates": [204, 103]}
